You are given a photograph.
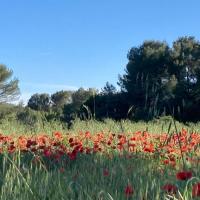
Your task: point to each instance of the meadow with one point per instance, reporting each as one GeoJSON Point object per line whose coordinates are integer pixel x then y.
{"type": "Point", "coordinates": [87, 95]}
{"type": "Point", "coordinates": [100, 160]}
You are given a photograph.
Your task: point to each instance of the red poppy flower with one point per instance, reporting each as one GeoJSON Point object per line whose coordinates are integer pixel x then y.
{"type": "Point", "coordinates": [128, 191]}
{"type": "Point", "coordinates": [184, 175]}
{"type": "Point", "coordinates": [170, 188]}
{"type": "Point", "coordinates": [166, 162]}
{"type": "Point", "coordinates": [58, 135]}
{"type": "Point", "coordinates": [196, 190]}
{"type": "Point", "coordinates": [105, 172]}
{"type": "Point", "coordinates": [11, 148]}
{"type": "Point", "coordinates": [47, 153]}
{"type": "Point", "coordinates": [72, 155]}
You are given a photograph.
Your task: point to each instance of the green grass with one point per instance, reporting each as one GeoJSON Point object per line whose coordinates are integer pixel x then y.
{"type": "Point", "coordinates": [83, 179]}
{"type": "Point", "coordinates": [156, 126]}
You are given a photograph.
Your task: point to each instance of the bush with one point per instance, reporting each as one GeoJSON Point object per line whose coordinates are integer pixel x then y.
{"type": "Point", "coordinates": [29, 117]}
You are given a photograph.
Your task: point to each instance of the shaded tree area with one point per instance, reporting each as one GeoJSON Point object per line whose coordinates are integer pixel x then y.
{"type": "Point", "coordinates": [108, 103]}
{"type": "Point", "coordinates": [39, 102]}
{"type": "Point", "coordinates": [9, 92]}
{"type": "Point", "coordinates": [9, 89]}
{"type": "Point", "coordinates": [62, 105]}
{"type": "Point", "coordinates": [77, 106]}
{"type": "Point", "coordinates": [159, 80]}
{"type": "Point", "coordinates": [113, 106]}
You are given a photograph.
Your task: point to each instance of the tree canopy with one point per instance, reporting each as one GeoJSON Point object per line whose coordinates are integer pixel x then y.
{"type": "Point", "coordinates": [40, 102]}
{"type": "Point", "coordinates": [60, 98]}
{"type": "Point", "coordinates": [9, 90]}
{"type": "Point", "coordinates": [159, 78]}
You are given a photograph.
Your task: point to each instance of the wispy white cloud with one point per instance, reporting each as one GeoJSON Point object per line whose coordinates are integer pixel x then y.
{"type": "Point", "coordinates": [49, 86]}
{"type": "Point", "coordinates": [24, 97]}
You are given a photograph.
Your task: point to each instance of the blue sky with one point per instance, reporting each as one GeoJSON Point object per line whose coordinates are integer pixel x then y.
{"type": "Point", "coordinates": [64, 44]}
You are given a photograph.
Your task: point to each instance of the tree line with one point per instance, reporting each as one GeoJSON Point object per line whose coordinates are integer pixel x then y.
{"type": "Point", "coordinates": [158, 80]}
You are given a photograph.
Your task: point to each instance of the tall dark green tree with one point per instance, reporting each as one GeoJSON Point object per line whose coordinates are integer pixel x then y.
{"type": "Point", "coordinates": [146, 74]}
{"type": "Point", "coordinates": [60, 98]}
{"type": "Point", "coordinates": [186, 60]}
{"type": "Point", "coordinates": [58, 101]}
{"type": "Point", "coordinates": [159, 78]}
{"type": "Point", "coordinates": [9, 89]}
{"type": "Point", "coordinates": [76, 107]}
{"type": "Point", "coordinates": [109, 105]}
{"type": "Point", "coordinates": [109, 89]}
{"type": "Point", "coordinates": [40, 102]}
{"type": "Point", "coordinates": [80, 96]}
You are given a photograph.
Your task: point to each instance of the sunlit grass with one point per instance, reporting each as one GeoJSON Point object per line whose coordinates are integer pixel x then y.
{"type": "Point", "coordinates": [101, 175]}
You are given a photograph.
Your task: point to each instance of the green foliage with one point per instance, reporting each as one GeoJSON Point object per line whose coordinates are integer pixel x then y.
{"type": "Point", "coordinates": [158, 79]}
{"type": "Point", "coordinates": [22, 178]}
{"type": "Point", "coordinates": [60, 98]}
{"type": "Point", "coordinates": [9, 89]}
{"type": "Point", "coordinates": [29, 117]}
{"type": "Point", "coordinates": [76, 108]}
{"type": "Point", "coordinates": [7, 111]}
{"type": "Point", "coordinates": [108, 105]}
{"type": "Point", "coordinates": [58, 102]}
{"type": "Point", "coordinates": [39, 102]}
{"type": "Point", "coordinates": [109, 89]}
{"type": "Point", "coordinates": [80, 96]}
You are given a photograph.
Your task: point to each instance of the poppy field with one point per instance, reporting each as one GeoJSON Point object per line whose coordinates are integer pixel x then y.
{"type": "Point", "coordinates": [103, 165]}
